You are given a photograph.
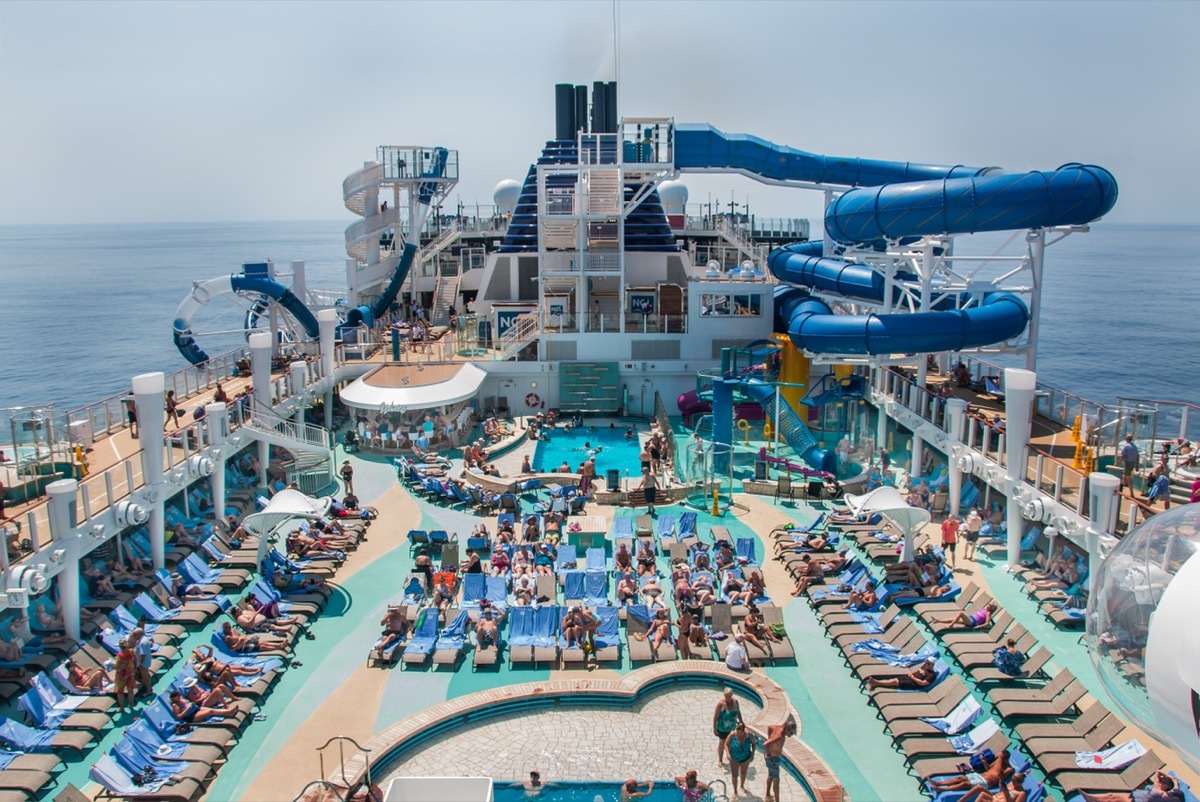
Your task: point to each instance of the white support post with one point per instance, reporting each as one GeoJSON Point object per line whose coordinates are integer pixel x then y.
{"type": "Point", "coordinates": [63, 520]}
{"type": "Point", "coordinates": [299, 387]}
{"type": "Point", "coordinates": [327, 323]}
{"type": "Point", "coordinates": [1036, 240]}
{"type": "Point", "coordinates": [260, 371]}
{"type": "Point", "coordinates": [956, 416]}
{"type": "Point", "coordinates": [1102, 492]}
{"type": "Point", "coordinates": [148, 396]}
{"type": "Point", "coordinates": [217, 416]}
{"type": "Point", "coordinates": [1019, 386]}
{"type": "Point", "coordinates": [918, 446]}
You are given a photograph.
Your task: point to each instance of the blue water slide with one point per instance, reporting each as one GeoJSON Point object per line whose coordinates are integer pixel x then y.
{"type": "Point", "coordinates": [260, 286]}
{"type": "Point", "coordinates": [897, 201]}
{"type": "Point", "coordinates": [369, 314]}
{"type": "Point", "coordinates": [791, 428]}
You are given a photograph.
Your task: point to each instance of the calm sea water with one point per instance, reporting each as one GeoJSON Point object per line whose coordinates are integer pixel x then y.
{"type": "Point", "coordinates": [86, 307]}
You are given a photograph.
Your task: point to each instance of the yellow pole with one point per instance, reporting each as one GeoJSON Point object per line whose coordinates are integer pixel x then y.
{"type": "Point", "coordinates": [716, 510]}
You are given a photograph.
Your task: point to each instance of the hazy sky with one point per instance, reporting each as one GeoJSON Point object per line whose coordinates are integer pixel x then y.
{"type": "Point", "coordinates": [125, 112]}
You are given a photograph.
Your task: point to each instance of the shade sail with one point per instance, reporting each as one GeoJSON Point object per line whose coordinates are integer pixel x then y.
{"type": "Point", "coordinates": [464, 384]}
{"type": "Point", "coordinates": [283, 507]}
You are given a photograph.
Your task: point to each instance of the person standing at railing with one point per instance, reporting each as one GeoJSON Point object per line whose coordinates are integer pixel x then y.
{"type": "Point", "coordinates": [131, 415]}
{"type": "Point", "coordinates": [1127, 458]}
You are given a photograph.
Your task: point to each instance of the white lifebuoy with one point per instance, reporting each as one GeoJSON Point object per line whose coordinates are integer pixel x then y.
{"type": "Point", "coordinates": [533, 400]}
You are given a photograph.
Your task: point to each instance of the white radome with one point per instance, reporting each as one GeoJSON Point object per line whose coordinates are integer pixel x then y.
{"type": "Point", "coordinates": [505, 195]}
{"type": "Point", "coordinates": [674, 196]}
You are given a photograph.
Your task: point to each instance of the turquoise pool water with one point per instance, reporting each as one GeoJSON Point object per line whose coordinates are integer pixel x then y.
{"type": "Point", "coordinates": [664, 791]}
{"type": "Point", "coordinates": [610, 447]}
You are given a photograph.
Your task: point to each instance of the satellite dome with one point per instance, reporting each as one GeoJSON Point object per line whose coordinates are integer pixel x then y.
{"type": "Point", "coordinates": [1141, 630]}
{"type": "Point", "coordinates": [505, 195]}
{"type": "Point", "coordinates": [674, 196]}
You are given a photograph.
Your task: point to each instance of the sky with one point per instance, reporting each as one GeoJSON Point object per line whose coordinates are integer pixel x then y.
{"type": "Point", "coordinates": [220, 111]}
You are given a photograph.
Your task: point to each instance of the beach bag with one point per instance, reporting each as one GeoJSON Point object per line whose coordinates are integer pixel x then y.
{"type": "Point", "coordinates": [145, 777]}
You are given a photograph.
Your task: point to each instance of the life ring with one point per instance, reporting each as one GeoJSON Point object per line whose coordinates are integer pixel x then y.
{"type": "Point", "coordinates": [533, 400]}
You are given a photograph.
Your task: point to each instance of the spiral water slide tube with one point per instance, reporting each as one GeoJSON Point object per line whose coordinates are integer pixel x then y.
{"type": "Point", "coordinates": [204, 291]}
{"type": "Point", "coordinates": [896, 201]}
{"type": "Point", "coordinates": [425, 193]}
{"type": "Point", "coordinates": [690, 403]}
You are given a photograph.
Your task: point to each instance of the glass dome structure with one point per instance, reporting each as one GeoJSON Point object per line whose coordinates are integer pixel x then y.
{"type": "Point", "coordinates": [1142, 630]}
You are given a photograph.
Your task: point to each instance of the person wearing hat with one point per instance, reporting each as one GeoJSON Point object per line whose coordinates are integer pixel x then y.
{"type": "Point", "coordinates": [737, 658]}
{"type": "Point", "coordinates": [348, 476]}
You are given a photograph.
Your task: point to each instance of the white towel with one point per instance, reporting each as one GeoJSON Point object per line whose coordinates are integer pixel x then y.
{"type": "Point", "coordinates": [960, 717]}
{"type": "Point", "coordinates": [974, 740]}
{"type": "Point", "coordinates": [1117, 757]}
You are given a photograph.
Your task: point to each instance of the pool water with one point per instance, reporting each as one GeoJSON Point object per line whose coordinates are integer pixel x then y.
{"type": "Point", "coordinates": [664, 791]}
{"type": "Point", "coordinates": [609, 446]}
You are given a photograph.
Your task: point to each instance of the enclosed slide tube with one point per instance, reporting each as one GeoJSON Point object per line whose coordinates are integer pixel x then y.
{"type": "Point", "coordinates": [369, 314]}
{"type": "Point", "coordinates": [897, 201]}
{"type": "Point", "coordinates": [690, 403]}
{"type": "Point", "coordinates": [204, 291]}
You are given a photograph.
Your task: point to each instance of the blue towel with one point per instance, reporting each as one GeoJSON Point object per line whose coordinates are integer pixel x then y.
{"type": "Point", "coordinates": [870, 621]}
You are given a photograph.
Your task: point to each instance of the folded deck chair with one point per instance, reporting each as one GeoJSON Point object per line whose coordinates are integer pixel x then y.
{"type": "Point", "coordinates": [422, 640]}
{"type": "Point", "coordinates": [520, 635]}
{"type": "Point", "coordinates": [644, 526]}
{"type": "Point", "coordinates": [450, 643]}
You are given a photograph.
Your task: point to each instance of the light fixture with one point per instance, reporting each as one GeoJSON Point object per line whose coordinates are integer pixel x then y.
{"type": "Point", "coordinates": [130, 514]}
{"type": "Point", "coordinates": [98, 531]}
{"type": "Point", "coordinates": [58, 556]}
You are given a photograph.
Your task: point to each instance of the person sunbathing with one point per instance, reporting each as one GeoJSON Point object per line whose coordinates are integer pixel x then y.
{"type": "Point", "coordinates": [572, 627]}
{"type": "Point", "coordinates": [976, 620]}
{"type": "Point", "coordinates": [524, 591]}
{"type": "Point", "coordinates": [725, 558]}
{"type": "Point", "coordinates": [755, 630]}
{"type": "Point", "coordinates": [932, 591]}
{"type": "Point", "coordinates": [253, 621]}
{"type": "Point", "coordinates": [86, 680]}
{"type": "Point", "coordinates": [755, 584]}
{"type": "Point", "coordinates": [499, 562]}
{"type": "Point", "coordinates": [735, 590]}
{"type": "Point", "coordinates": [862, 600]}
{"type": "Point", "coordinates": [192, 713]}
{"type": "Point", "coordinates": [920, 677]}
{"type": "Point", "coordinates": [812, 573]}
{"type": "Point", "coordinates": [645, 560]}
{"type": "Point", "coordinates": [1163, 789]}
{"type": "Point", "coordinates": [443, 595]}
{"type": "Point", "coordinates": [627, 589]}
{"type": "Point", "coordinates": [184, 536]}
{"type": "Point", "coordinates": [651, 593]}
{"type": "Point", "coordinates": [522, 565]}
{"type": "Point", "coordinates": [309, 548]}
{"type": "Point", "coordinates": [487, 631]}
{"type": "Point", "coordinates": [207, 661]}
{"type": "Point", "coordinates": [218, 695]}
{"type": "Point", "coordinates": [249, 644]}
{"type": "Point", "coordinates": [530, 533]}
{"type": "Point", "coordinates": [543, 561]}
{"type": "Point", "coordinates": [185, 591]}
{"type": "Point", "coordinates": [622, 559]}
{"type": "Point", "coordinates": [657, 631]}
{"type": "Point", "coordinates": [701, 561]}
{"type": "Point", "coordinates": [817, 542]}
{"type": "Point", "coordinates": [995, 773]}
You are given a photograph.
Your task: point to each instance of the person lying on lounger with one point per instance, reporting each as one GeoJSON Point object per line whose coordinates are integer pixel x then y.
{"type": "Point", "coordinates": [976, 620]}
{"type": "Point", "coordinates": [622, 559]}
{"type": "Point", "coordinates": [725, 558]}
{"type": "Point", "coordinates": [524, 592]}
{"type": "Point", "coordinates": [1163, 789]}
{"type": "Point", "coordinates": [499, 562]}
{"type": "Point", "coordinates": [755, 630]}
{"type": "Point", "coordinates": [812, 573]}
{"type": "Point", "coordinates": [996, 772]}
{"type": "Point", "coordinates": [862, 600]}
{"type": "Point", "coordinates": [192, 713]}
{"type": "Point", "coordinates": [249, 644]}
{"type": "Point", "coordinates": [645, 560]}
{"type": "Point", "coordinates": [252, 621]}
{"type": "Point", "coordinates": [627, 589]}
{"type": "Point", "coordinates": [86, 679]}
{"type": "Point", "coordinates": [652, 594]}
{"type": "Point", "coordinates": [736, 591]}
{"type": "Point", "coordinates": [657, 631]}
{"type": "Point", "coordinates": [920, 677]}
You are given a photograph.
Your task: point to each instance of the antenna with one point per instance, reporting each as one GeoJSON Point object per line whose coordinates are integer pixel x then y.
{"type": "Point", "coordinates": [616, 41]}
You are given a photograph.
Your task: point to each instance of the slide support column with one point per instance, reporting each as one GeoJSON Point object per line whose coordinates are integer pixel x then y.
{"type": "Point", "coordinates": [1019, 386]}
{"type": "Point", "coordinates": [217, 417]}
{"type": "Point", "coordinates": [148, 391]}
{"type": "Point", "coordinates": [63, 521]}
{"type": "Point", "coordinates": [1102, 489]}
{"type": "Point", "coordinates": [327, 323]}
{"type": "Point", "coordinates": [956, 418]}
{"type": "Point", "coordinates": [260, 370]}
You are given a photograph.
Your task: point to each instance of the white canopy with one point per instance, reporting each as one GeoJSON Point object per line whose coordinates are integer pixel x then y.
{"type": "Point", "coordinates": [284, 506]}
{"type": "Point", "coordinates": [463, 385]}
{"type": "Point", "coordinates": [888, 502]}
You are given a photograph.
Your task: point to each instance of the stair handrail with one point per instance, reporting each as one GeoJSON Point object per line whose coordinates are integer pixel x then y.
{"type": "Point", "coordinates": [266, 418]}
{"type": "Point", "coordinates": [523, 329]}
{"type": "Point", "coordinates": [341, 742]}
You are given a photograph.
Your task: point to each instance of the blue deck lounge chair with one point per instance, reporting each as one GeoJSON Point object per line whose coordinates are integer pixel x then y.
{"type": "Point", "coordinates": [547, 621]}
{"type": "Point", "coordinates": [622, 531]}
{"type": "Point", "coordinates": [608, 637]}
{"type": "Point", "coordinates": [416, 539]}
{"type": "Point", "coordinates": [595, 589]}
{"type": "Point", "coordinates": [567, 559]}
{"type": "Point", "coordinates": [422, 640]}
{"type": "Point", "coordinates": [21, 738]}
{"type": "Point", "coordinates": [118, 780]}
{"type": "Point", "coordinates": [474, 589]}
{"type": "Point", "coordinates": [573, 587]}
{"type": "Point", "coordinates": [597, 559]}
{"type": "Point", "coordinates": [520, 635]}
{"type": "Point", "coordinates": [666, 532]}
{"type": "Point", "coordinates": [450, 643]}
{"type": "Point", "coordinates": [687, 524]}
{"type": "Point", "coordinates": [745, 552]}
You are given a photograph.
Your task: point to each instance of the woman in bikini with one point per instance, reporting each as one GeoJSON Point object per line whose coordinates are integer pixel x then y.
{"type": "Point", "coordinates": [86, 679]}
{"type": "Point", "coordinates": [976, 620]}
{"type": "Point", "coordinates": [193, 713]}
{"type": "Point", "coordinates": [755, 630]}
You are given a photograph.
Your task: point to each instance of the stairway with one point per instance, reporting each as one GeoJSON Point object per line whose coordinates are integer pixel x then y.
{"type": "Point", "coordinates": [305, 438]}
{"type": "Point", "coordinates": [446, 293]}
{"type": "Point", "coordinates": [522, 331]}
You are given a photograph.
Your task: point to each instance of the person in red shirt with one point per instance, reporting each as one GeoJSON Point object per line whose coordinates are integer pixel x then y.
{"type": "Point", "coordinates": [950, 535]}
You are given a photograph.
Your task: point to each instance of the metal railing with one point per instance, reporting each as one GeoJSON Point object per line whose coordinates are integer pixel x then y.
{"type": "Point", "coordinates": [263, 418]}
{"type": "Point", "coordinates": [521, 333]}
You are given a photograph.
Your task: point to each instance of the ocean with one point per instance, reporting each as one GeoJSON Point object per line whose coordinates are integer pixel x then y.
{"type": "Point", "coordinates": [86, 307]}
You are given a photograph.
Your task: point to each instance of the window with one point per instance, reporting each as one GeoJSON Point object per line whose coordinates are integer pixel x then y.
{"type": "Point", "coordinates": [747, 304]}
{"type": "Point", "coordinates": [712, 305]}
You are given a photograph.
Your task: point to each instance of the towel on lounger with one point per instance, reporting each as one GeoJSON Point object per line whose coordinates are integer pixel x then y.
{"type": "Point", "coordinates": [959, 718]}
{"type": "Point", "coordinates": [973, 741]}
{"type": "Point", "coordinates": [1117, 757]}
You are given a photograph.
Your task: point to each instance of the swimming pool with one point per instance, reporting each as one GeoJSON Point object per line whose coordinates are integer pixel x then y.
{"type": "Point", "coordinates": [610, 447]}
{"type": "Point", "coordinates": [664, 791]}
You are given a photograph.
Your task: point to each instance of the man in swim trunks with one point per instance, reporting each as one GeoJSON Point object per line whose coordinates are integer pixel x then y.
{"type": "Point", "coordinates": [996, 772]}
{"type": "Point", "coordinates": [1163, 789]}
{"type": "Point", "coordinates": [649, 486]}
{"type": "Point", "coordinates": [773, 754]}
{"type": "Point", "coordinates": [486, 631]}
{"type": "Point", "coordinates": [629, 790]}
{"type": "Point", "coordinates": [726, 717]}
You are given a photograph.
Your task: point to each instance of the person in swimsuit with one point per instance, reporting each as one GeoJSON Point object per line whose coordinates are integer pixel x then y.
{"type": "Point", "coordinates": [755, 630]}
{"type": "Point", "coordinates": [86, 679]}
{"type": "Point", "coordinates": [125, 675]}
{"type": "Point", "coordinates": [652, 594]}
{"type": "Point", "coordinates": [658, 632]}
{"type": "Point", "coordinates": [193, 713]}
{"type": "Point", "coordinates": [486, 631]}
{"type": "Point", "coordinates": [693, 790]}
{"type": "Point", "coordinates": [920, 677]}
{"type": "Point", "coordinates": [1163, 789]}
{"type": "Point", "coordinates": [773, 754]}
{"type": "Point", "coordinates": [627, 589]}
{"type": "Point", "coordinates": [630, 792]}
{"type": "Point", "coordinates": [740, 745]}
{"type": "Point", "coordinates": [623, 560]}
{"type": "Point", "coordinates": [645, 560]}
{"type": "Point", "coordinates": [976, 620]}
{"type": "Point", "coordinates": [726, 717]}
{"type": "Point", "coordinates": [997, 771]}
